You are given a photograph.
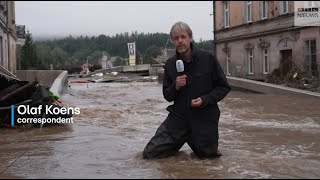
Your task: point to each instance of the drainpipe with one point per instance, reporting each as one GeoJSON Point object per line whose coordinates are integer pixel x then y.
{"type": "Point", "coordinates": [8, 38]}
{"type": "Point", "coordinates": [214, 27]}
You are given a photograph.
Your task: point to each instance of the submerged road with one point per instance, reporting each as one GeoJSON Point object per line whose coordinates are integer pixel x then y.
{"type": "Point", "coordinates": [261, 136]}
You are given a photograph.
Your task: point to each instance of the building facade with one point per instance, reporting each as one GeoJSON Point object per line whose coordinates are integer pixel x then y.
{"type": "Point", "coordinates": [252, 38]}
{"type": "Point", "coordinates": [8, 36]}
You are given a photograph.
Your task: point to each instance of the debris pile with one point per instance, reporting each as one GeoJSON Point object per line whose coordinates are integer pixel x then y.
{"type": "Point", "coordinates": [113, 77]}
{"type": "Point", "coordinates": [14, 93]}
{"type": "Point", "coordinates": [295, 78]}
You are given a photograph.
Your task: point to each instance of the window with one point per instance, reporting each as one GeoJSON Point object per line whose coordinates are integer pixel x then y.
{"type": "Point", "coordinates": [311, 56]}
{"type": "Point", "coordinates": [3, 5]}
{"type": "Point", "coordinates": [248, 10]}
{"type": "Point", "coordinates": [228, 63]}
{"type": "Point", "coordinates": [284, 7]}
{"type": "Point", "coordinates": [264, 9]}
{"type": "Point", "coordinates": [5, 58]}
{"type": "Point", "coordinates": [265, 60]}
{"type": "Point", "coordinates": [226, 14]}
{"type": "Point", "coordinates": [250, 61]}
{"type": "Point", "coordinates": [12, 48]}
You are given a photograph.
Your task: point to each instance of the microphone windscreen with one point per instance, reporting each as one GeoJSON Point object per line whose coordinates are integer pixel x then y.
{"type": "Point", "coordinates": [179, 65]}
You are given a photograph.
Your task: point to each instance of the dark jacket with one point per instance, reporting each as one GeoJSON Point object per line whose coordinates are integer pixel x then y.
{"type": "Point", "coordinates": [205, 79]}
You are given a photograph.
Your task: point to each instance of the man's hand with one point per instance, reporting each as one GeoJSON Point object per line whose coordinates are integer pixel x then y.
{"type": "Point", "coordinates": [196, 102]}
{"type": "Point", "coordinates": [181, 81]}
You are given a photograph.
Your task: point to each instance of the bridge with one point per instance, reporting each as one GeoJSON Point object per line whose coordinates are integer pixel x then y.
{"type": "Point", "coordinates": [235, 83]}
{"type": "Point", "coordinates": [140, 68]}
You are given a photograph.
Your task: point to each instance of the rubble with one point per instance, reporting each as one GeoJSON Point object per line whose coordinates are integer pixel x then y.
{"type": "Point", "coordinates": [113, 77]}
{"type": "Point", "coordinates": [295, 78]}
{"type": "Point", "coordinates": [14, 93]}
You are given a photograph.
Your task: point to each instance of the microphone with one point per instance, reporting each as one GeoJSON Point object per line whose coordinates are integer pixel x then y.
{"type": "Point", "coordinates": [180, 67]}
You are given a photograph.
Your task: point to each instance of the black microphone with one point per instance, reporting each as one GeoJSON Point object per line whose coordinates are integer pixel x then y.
{"type": "Point", "coordinates": [180, 67]}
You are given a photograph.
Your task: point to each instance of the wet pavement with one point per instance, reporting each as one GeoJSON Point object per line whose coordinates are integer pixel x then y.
{"type": "Point", "coordinates": [261, 136]}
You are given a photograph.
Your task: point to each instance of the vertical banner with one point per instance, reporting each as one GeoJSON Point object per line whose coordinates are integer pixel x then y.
{"type": "Point", "coordinates": [132, 53]}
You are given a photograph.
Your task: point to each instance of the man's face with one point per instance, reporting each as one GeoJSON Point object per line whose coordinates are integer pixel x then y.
{"type": "Point", "coordinates": [181, 41]}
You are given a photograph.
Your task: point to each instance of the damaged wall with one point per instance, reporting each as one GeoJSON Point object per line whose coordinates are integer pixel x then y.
{"type": "Point", "coordinates": [44, 76]}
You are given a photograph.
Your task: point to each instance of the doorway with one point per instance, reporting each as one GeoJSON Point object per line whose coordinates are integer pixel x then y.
{"type": "Point", "coordinates": [285, 62]}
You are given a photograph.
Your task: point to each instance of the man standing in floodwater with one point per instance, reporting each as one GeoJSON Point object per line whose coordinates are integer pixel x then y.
{"type": "Point", "coordinates": [194, 115]}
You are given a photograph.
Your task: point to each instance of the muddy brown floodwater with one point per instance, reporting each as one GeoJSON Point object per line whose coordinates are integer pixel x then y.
{"type": "Point", "coordinates": [261, 136]}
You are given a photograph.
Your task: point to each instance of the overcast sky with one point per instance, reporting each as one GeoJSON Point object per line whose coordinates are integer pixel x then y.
{"type": "Point", "coordinates": [110, 17]}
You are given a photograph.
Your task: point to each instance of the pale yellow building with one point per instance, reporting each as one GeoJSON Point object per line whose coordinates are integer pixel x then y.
{"type": "Point", "coordinates": [8, 36]}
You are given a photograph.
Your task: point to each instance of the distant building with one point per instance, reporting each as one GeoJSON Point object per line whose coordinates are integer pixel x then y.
{"type": "Point", "coordinates": [21, 39]}
{"type": "Point", "coordinates": [8, 36]}
{"type": "Point", "coordinates": [21, 31]}
{"type": "Point", "coordinates": [85, 68]}
{"type": "Point", "coordinates": [109, 64]}
{"type": "Point", "coordinates": [252, 38]}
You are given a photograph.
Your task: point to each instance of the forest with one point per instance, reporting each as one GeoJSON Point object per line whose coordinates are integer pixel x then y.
{"type": "Point", "coordinates": [72, 51]}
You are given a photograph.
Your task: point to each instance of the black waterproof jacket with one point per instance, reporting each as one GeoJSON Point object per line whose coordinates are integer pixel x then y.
{"type": "Point", "coordinates": [205, 79]}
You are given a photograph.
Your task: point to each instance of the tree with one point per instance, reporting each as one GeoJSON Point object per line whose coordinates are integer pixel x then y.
{"type": "Point", "coordinates": [29, 54]}
{"type": "Point", "coordinates": [81, 55]}
{"type": "Point", "coordinates": [119, 62]}
{"type": "Point", "coordinates": [207, 45]}
{"type": "Point", "coordinates": [43, 55]}
{"type": "Point", "coordinates": [150, 53]}
{"type": "Point", "coordinates": [96, 57]}
{"type": "Point", "coordinates": [60, 58]}
{"type": "Point", "coordinates": [79, 48]}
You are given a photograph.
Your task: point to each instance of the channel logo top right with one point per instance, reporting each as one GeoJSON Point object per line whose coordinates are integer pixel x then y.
{"type": "Point", "coordinates": [306, 13]}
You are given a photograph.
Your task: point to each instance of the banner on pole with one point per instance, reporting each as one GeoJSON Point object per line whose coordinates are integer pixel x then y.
{"type": "Point", "coordinates": [132, 53]}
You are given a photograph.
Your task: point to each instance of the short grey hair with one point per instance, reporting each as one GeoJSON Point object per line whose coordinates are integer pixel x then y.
{"type": "Point", "coordinates": [179, 26]}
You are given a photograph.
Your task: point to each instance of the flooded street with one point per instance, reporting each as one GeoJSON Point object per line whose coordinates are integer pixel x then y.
{"type": "Point", "coordinates": [261, 136]}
